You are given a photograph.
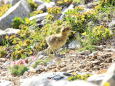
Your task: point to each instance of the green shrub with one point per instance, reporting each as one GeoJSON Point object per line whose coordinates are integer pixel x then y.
{"type": "Point", "coordinates": [22, 22]}
{"type": "Point", "coordinates": [18, 70]}
{"type": "Point", "coordinates": [97, 34]}
{"type": "Point", "coordinates": [3, 51]}
{"type": "Point", "coordinates": [43, 62]}
{"type": "Point", "coordinates": [32, 4]}
{"type": "Point", "coordinates": [36, 12]}
{"type": "Point", "coordinates": [17, 21]}
{"type": "Point", "coordinates": [79, 21]}
{"type": "Point", "coordinates": [54, 10]}
{"type": "Point", "coordinates": [108, 2]}
{"type": "Point", "coordinates": [4, 8]}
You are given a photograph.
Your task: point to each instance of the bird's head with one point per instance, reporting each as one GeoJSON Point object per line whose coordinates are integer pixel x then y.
{"type": "Point", "coordinates": [66, 30]}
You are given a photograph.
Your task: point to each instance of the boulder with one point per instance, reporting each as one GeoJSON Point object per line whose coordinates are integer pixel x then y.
{"type": "Point", "coordinates": [8, 31]}
{"type": "Point", "coordinates": [20, 9]}
{"type": "Point", "coordinates": [5, 83]}
{"type": "Point", "coordinates": [13, 2]}
{"type": "Point", "coordinates": [38, 2]}
{"type": "Point", "coordinates": [53, 79]}
{"type": "Point", "coordinates": [44, 6]}
{"type": "Point", "coordinates": [39, 17]}
{"type": "Point", "coordinates": [110, 76]}
{"type": "Point", "coordinates": [96, 79]}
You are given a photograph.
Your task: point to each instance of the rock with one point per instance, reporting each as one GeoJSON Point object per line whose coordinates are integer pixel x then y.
{"type": "Point", "coordinates": [11, 31]}
{"type": "Point", "coordinates": [53, 79]}
{"type": "Point", "coordinates": [99, 47]}
{"type": "Point", "coordinates": [110, 76]}
{"type": "Point", "coordinates": [39, 17]}
{"type": "Point", "coordinates": [8, 31]}
{"type": "Point", "coordinates": [38, 2]}
{"type": "Point", "coordinates": [74, 45]}
{"type": "Point", "coordinates": [109, 50]}
{"type": "Point", "coordinates": [45, 6]}
{"type": "Point", "coordinates": [13, 2]}
{"type": "Point", "coordinates": [93, 54]}
{"type": "Point", "coordinates": [21, 9]}
{"type": "Point", "coordinates": [92, 4]}
{"type": "Point", "coordinates": [65, 10]}
{"type": "Point", "coordinates": [87, 1]}
{"type": "Point", "coordinates": [5, 83]}
{"type": "Point", "coordinates": [86, 52]}
{"type": "Point", "coordinates": [112, 24]}
{"type": "Point", "coordinates": [96, 79]}
{"type": "Point", "coordinates": [42, 7]}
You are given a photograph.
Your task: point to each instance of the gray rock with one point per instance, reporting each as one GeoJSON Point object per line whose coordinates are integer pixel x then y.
{"type": "Point", "coordinates": [53, 79]}
{"type": "Point", "coordinates": [13, 2]}
{"type": "Point", "coordinates": [42, 7]}
{"type": "Point", "coordinates": [109, 50]}
{"type": "Point", "coordinates": [65, 10]}
{"type": "Point", "coordinates": [96, 79]}
{"type": "Point", "coordinates": [86, 52]}
{"type": "Point", "coordinates": [45, 6]}
{"type": "Point", "coordinates": [39, 17]}
{"type": "Point", "coordinates": [21, 9]}
{"type": "Point", "coordinates": [74, 45]}
{"type": "Point", "coordinates": [112, 24]}
{"type": "Point", "coordinates": [38, 2]}
{"type": "Point", "coordinates": [92, 4]}
{"type": "Point", "coordinates": [95, 53]}
{"type": "Point", "coordinates": [110, 76]}
{"type": "Point", "coordinates": [5, 83]}
{"type": "Point", "coordinates": [9, 31]}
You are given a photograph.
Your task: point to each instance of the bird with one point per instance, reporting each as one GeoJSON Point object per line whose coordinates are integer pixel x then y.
{"type": "Point", "coordinates": [56, 41]}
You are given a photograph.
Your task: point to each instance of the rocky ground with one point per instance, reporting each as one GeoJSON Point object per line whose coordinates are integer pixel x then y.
{"type": "Point", "coordinates": [86, 61]}
{"type": "Point", "coordinates": [72, 61]}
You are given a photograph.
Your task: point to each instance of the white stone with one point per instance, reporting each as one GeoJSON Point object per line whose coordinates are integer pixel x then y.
{"type": "Point", "coordinates": [45, 6]}
{"type": "Point", "coordinates": [42, 80]}
{"type": "Point", "coordinates": [9, 31]}
{"type": "Point", "coordinates": [96, 79]}
{"type": "Point", "coordinates": [110, 76]}
{"type": "Point", "coordinates": [39, 17]}
{"type": "Point", "coordinates": [74, 45]}
{"type": "Point", "coordinates": [38, 2]}
{"type": "Point", "coordinates": [21, 9]}
{"type": "Point", "coordinates": [65, 10]}
{"type": "Point", "coordinates": [13, 2]}
{"type": "Point", "coordinates": [112, 23]}
{"type": "Point", "coordinates": [5, 83]}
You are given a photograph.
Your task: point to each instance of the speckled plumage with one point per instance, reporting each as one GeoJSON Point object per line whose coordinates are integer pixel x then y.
{"type": "Point", "coordinates": [56, 41]}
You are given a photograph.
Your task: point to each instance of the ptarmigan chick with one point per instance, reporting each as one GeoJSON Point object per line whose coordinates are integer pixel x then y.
{"type": "Point", "coordinates": [56, 41]}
